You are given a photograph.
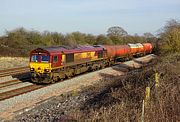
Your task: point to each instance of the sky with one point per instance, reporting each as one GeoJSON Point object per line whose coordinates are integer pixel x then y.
{"type": "Point", "coordinates": [87, 16]}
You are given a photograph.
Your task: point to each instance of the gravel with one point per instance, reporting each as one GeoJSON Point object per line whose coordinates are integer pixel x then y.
{"type": "Point", "coordinates": [25, 102]}
{"type": "Point", "coordinates": [49, 110]}
{"type": "Point", "coordinates": [6, 78]}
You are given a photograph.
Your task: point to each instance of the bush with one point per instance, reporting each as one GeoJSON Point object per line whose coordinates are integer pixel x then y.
{"type": "Point", "coordinates": [171, 37]}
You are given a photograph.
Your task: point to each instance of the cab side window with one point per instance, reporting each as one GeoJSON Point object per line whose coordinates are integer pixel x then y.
{"type": "Point", "coordinates": [100, 54]}
{"type": "Point", "coordinates": [55, 59]}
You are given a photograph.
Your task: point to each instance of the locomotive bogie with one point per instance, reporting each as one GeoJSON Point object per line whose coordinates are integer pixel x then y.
{"type": "Point", "coordinates": [40, 77]}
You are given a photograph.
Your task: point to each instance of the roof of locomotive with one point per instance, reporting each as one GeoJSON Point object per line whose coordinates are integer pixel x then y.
{"type": "Point", "coordinates": [66, 49]}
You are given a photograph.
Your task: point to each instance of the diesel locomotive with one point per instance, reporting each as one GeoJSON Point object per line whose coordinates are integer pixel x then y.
{"type": "Point", "coordinates": [52, 64]}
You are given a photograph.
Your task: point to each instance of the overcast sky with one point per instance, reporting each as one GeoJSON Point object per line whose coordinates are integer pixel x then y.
{"type": "Point", "coordinates": [87, 16]}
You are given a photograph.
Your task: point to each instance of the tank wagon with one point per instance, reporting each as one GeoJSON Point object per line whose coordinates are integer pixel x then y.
{"type": "Point", "coordinates": [48, 65]}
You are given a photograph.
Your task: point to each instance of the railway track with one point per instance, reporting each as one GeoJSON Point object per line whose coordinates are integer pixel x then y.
{"type": "Point", "coordinates": [13, 82]}
{"type": "Point", "coordinates": [19, 91]}
{"type": "Point", "coordinates": [13, 91]}
{"type": "Point", "coordinates": [8, 88]}
{"type": "Point", "coordinates": [13, 71]}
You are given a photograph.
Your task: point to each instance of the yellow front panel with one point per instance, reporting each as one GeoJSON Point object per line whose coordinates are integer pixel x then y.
{"type": "Point", "coordinates": [40, 67]}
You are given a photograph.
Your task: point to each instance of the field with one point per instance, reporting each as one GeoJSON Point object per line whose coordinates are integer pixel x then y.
{"type": "Point", "coordinates": [12, 62]}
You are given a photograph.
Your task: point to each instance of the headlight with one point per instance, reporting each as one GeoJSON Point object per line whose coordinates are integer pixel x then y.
{"type": "Point", "coordinates": [46, 70]}
{"type": "Point", "coordinates": [32, 69]}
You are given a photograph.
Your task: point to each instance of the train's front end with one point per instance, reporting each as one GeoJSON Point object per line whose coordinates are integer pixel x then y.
{"type": "Point", "coordinates": [40, 66]}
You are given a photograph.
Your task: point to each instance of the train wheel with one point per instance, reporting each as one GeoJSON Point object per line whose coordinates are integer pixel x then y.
{"type": "Point", "coordinates": [52, 80]}
{"type": "Point", "coordinates": [102, 66]}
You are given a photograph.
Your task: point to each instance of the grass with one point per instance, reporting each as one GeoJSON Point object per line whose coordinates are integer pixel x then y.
{"type": "Point", "coordinates": [120, 98]}
{"type": "Point", "coordinates": [11, 62]}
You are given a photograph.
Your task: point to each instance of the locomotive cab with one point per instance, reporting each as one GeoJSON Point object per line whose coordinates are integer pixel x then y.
{"type": "Point", "coordinates": [41, 64]}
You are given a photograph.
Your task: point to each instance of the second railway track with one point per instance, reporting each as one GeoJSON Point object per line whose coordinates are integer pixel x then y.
{"type": "Point", "coordinates": [10, 87]}
{"type": "Point", "coordinates": [15, 87]}
{"type": "Point", "coordinates": [12, 82]}
{"type": "Point", "coordinates": [13, 71]}
{"type": "Point", "coordinates": [18, 91]}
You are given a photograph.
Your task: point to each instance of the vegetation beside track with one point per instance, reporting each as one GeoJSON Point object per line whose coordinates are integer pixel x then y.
{"type": "Point", "coordinates": [118, 98]}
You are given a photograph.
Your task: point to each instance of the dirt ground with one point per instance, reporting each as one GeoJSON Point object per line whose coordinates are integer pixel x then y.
{"type": "Point", "coordinates": [12, 62]}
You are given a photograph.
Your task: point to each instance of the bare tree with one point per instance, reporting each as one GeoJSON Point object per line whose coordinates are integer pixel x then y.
{"type": "Point", "coordinates": [116, 31]}
{"type": "Point", "coordinates": [148, 35]}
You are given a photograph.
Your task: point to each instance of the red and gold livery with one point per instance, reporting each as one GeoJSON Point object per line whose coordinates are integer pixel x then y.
{"type": "Point", "coordinates": [55, 63]}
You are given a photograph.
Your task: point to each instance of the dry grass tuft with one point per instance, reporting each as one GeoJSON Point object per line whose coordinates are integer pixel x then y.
{"type": "Point", "coordinates": [12, 62]}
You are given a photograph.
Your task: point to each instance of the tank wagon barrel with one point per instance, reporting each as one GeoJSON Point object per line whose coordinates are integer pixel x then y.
{"type": "Point", "coordinates": [52, 64]}
{"type": "Point", "coordinates": [117, 50]}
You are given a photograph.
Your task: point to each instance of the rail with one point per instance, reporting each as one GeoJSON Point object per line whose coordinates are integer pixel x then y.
{"type": "Point", "coordinates": [13, 71]}
{"type": "Point", "coordinates": [19, 91]}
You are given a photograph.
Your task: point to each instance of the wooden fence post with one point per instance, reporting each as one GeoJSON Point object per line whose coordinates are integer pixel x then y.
{"type": "Point", "coordinates": [142, 116]}
{"type": "Point", "coordinates": [147, 96]}
{"type": "Point", "coordinates": [156, 80]}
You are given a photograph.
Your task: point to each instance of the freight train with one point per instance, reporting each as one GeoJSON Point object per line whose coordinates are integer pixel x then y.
{"type": "Point", "coordinates": [52, 64]}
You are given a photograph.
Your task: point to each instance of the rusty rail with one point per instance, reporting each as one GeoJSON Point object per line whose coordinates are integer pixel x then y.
{"type": "Point", "coordinates": [19, 91]}
{"type": "Point", "coordinates": [13, 71]}
{"type": "Point", "coordinates": [12, 82]}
